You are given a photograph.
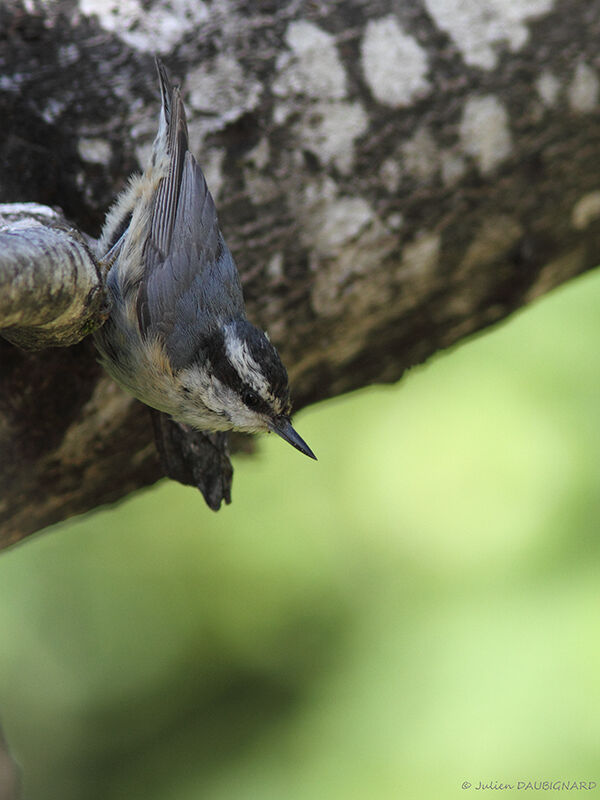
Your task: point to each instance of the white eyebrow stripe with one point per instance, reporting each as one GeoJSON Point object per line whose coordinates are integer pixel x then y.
{"type": "Point", "coordinates": [246, 367]}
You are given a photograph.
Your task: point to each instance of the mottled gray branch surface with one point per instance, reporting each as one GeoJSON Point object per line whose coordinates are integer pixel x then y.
{"type": "Point", "coordinates": [51, 286]}
{"type": "Point", "coordinates": [391, 176]}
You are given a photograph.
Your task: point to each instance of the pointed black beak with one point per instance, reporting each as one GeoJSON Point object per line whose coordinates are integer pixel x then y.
{"type": "Point", "coordinates": [283, 427]}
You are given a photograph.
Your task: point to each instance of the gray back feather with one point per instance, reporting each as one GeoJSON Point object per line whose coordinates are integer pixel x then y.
{"type": "Point", "coordinates": [190, 284]}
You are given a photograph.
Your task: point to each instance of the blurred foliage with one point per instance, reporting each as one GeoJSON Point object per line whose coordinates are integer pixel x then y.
{"type": "Point", "coordinates": [418, 608]}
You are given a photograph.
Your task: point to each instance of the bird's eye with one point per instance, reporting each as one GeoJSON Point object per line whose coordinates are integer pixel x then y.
{"type": "Point", "coordinates": [250, 398]}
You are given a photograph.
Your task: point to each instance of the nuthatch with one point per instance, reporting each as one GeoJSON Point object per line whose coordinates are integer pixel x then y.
{"type": "Point", "coordinates": [177, 337]}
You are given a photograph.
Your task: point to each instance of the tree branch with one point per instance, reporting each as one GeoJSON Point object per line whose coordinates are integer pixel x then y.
{"type": "Point", "coordinates": [391, 177]}
{"type": "Point", "coordinates": [51, 288]}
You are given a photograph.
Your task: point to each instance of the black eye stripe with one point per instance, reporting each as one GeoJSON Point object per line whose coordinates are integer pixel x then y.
{"type": "Point", "coordinates": [213, 353]}
{"type": "Point", "coordinates": [220, 364]}
{"type": "Point", "coordinates": [253, 401]}
{"type": "Point", "coordinates": [250, 398]}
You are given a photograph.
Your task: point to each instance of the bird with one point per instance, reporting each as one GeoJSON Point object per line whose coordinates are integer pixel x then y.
{"type": "Point", "coordinates": [177, 336]}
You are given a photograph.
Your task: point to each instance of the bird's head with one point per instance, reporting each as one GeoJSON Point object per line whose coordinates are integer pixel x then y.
{"type": "Point", "coordinates": [246, 384]}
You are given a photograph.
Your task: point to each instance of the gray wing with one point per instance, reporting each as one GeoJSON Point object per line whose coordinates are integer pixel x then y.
{"type": "Point", "coordinates": [190, 283]}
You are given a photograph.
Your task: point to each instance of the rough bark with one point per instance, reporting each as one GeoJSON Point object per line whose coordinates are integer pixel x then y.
{"type": "Point", "coordinates": [51, 287]}
{"type": "Point", "coordinates": [391, 177]}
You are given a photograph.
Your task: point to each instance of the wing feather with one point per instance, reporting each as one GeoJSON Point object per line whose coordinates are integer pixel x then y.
{"type": "Point", "coordinates": [190, 283]}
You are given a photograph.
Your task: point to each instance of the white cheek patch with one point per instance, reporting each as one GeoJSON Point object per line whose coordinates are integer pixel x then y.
{"type": "Point", "coordinates": [216, 406]}
{"type": "Point", "coordinates": [216, 397]}
{"type": "Point", "coordinates": [246, 367]}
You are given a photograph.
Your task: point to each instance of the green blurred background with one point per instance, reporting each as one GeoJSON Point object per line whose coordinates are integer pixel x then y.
{"type": "Point", "coordinates": [417, 609]}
